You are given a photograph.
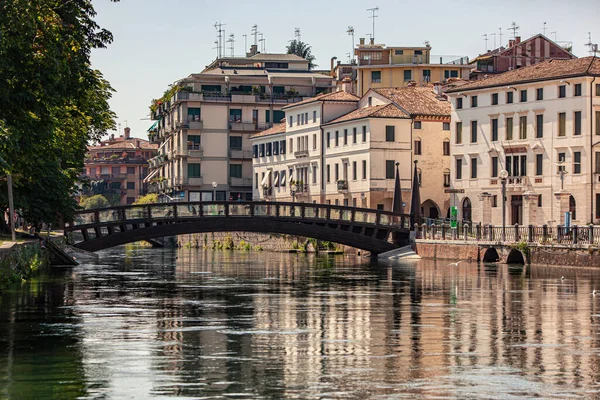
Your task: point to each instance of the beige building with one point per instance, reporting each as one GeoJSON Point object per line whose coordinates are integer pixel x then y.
{"type": "Point", "coordinates": [349, 157]}
{"type": "Point", "coordinates": [540, 124]}
{"type": "Point", "coordinates": [205, 121]}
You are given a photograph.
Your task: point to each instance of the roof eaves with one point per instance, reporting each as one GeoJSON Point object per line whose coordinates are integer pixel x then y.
{"type": "Point", "coordinates": [551, 78]}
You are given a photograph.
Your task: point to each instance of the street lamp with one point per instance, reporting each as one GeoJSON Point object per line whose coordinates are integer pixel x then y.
{"type": "Point", "coordinates": [503, 177]}
{"type": "Point", "coordinates": [214, 185]}
{"type": "Point", "coordinates": [293, 189]}
{"type": "Point", "coordinates": [562, 172]}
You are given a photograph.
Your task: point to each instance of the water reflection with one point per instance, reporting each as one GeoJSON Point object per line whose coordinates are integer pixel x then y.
{"type": "Point", "coordinates": [192, 323]}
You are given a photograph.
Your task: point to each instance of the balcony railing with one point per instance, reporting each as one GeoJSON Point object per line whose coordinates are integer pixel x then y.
{"type": "Point", "coordinates": [301, 153]}
{"type": "Point", "coordinates": [195, 151]}
{"type": "Point", "coordinates": [181, 181]}
{"type": "Point", "coordinates": [342, 186]}
{"type": "Point", "coordinates": [108, 176]}
{"type": "Point", "coordinates": [243, 126]}
{"type": "Point", "coordinates": [511, 181]}
{"type": "Point", "coordinates": [267, 191]}
{"type": "Point", "coordinates": [240, 181]}
{"type": "Point", "coordinates": [301, 188]}
{"type": "Point", "coordinates": [238, 153]}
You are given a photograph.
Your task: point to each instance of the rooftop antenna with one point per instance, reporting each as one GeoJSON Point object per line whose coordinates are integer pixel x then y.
{"type": "Point", "coordinates": [245, 42]}
{"type": "Point", "coordinates": [217, 47]}
{"type": "Point", "coordinates": [500, 29]}
{"type": "Point", "coordinates": [554, 35]}
{"type": "Point", "coordinates": [589, 44]}
{"type": "Point", "coordinates": [231, 40]}
{"type": "Point", "coordinates": [485, 37]}
{"type": "Point", "coordinates": [349, 58]}
{"type": "Point", "coordinates": [262, 43]}
{"type": "Point", "coordinates": [297, 34]}
{"type": "Point", "coordinates": [544, 29]}
{"type": "Point", "coordinates": [220, 37]}
{"type": "Point", "coordinates": [255, 33]}
{"type": "Point", "coordinates": [373, 16]}
{"type": "Point", "coordinates": [494, 35]}
{"type": "Point", "coordinates": [514, 27]}
{"type": "Point", "coordinates": [350, 32]}
{"type": "Point", "coordinates": [370, 35]}
{"type": "Point", "coordinates": [426, 43]}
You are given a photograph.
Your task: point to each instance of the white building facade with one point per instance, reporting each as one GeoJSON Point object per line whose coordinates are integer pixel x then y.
{"type": "Point", "coordinates": [540, 124]}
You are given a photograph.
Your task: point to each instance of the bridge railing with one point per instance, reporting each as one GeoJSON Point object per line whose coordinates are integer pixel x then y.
{"type": "Point", "coordinates": [191, 210]}
{"type": "Point", "coordinates": [575, 235]}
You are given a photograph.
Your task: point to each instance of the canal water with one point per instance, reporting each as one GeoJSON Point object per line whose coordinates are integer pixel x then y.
{"type": "Point", "coordinates": [151, 323]}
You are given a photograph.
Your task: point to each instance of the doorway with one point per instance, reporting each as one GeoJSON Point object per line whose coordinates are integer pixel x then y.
{"type": "Point", "coordinates": [516, 210]}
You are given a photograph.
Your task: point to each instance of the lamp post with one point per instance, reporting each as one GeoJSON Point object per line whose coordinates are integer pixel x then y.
{"type": "Point", "coordinates": [293, 189]}
{"type": "Point", "coordinates": [503, 177]}
{"type": "Point", "coordinates": [214, 186]}
{"type": "Point", "coordinates": [562, 172]}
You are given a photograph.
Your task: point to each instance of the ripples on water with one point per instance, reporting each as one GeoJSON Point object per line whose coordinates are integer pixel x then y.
{"type": "Point", "coordinates": [151, 323]}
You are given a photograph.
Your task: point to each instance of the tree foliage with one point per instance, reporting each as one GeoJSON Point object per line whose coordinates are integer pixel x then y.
{"type": "Point", "coordinates": [150, 198]}
{"type": "Point", "coordinates": [303, 50]}
{"type": "Point", "coordinates": [52, 103]}
{"type": "Point", "coordinates": [95, 201]}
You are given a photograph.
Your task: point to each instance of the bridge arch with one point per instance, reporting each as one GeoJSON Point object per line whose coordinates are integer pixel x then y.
{"type": "Point", "coordinates": [515, 256]}
{"type": "Point", "coordinates": [491, 255]}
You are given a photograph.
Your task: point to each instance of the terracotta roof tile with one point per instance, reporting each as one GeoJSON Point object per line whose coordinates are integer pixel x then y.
{"type": "Point", "coordinates": [275, 129]}
{"type": "Point", "coordinates": [335, 96]}
{"type": "Point", "coordinates": [417, 100]}
{"type": "Point", "coordinates": [126, 144]}
{"type": "Point", "coordinates": [380, 111]}
{"type": "Point", "coordinates": [547, 70]}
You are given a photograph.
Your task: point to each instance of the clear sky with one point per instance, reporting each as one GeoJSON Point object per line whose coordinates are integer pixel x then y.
{"type": "Point", "coordinates": [157, 41]}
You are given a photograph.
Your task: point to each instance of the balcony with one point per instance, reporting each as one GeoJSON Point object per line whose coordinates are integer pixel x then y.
{"type": "Point", "coordinates": [238, 153]}
{"type": "Point", "coordinates": [193, 96]}
{"type": "Point", "coordinates": [195, 150]}
{"type": "Point", "coordinates": [301, 188]}
{"type": "Point", "coordinates": [181, 181]}
{"type": "Point", "coordinates": [278, 99]}
{"type": "Point", "coordinates": [108, 176]}
{"type": "Point", "coordinates": [240, 182]}
{"type": "Point", "coordinates": [216, 97]}
{"type": "Point", "coordinates": [243, 126]}
{"type": "Point", "coordinates": [512, 182]}
{"type": "Point", "coordinates": [301, 153]}
{"type": "Point", "coordinates": [342, 186]}
{"type": "Point", "coordinates": [267, 191]}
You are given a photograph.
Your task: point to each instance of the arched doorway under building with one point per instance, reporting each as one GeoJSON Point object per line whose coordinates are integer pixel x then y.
{"type": "Point", "coordinates": [466, 209]}
{"type": "Point", "coordinates": [573, 208]}
{"type": "Point", "coordinates": [430, 210]}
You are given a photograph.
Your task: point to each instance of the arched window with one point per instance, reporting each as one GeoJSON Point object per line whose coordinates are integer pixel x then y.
{"type": "Point", "coordinates": [446, 147]}
{"type": "Point", "coordinates": [418, 146]}
{"type": "Point", "coordinates": [446, 177]}
{"type": "Point", "coordinates": [466, 206]}
{"type": "Point", "coordinates": [572, 207]}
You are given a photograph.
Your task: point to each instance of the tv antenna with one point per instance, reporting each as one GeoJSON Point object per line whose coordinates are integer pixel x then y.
{"type": "Point", "coordinates": [245, 42]}
{"type": "Point", "coordinates": [554, 35]}
{"type": "Point", "coordinates": [494, 35]}
{"type": "Point", "coordinates": [255, 33]}
{"type": "Point", "coordinates": [485, 37]}
{"type": "Point", "coordinates": [500, 29]}
{"type": "Point", "coordinates": [590, 45]}
{"type": "Point", "coordinates": [220, 37]}
{"type": "Point", "coordinates": [262, 43]}
{"type": "Point", "coordinates": [373, 16]}
{"type": "Point", "coordinates": [350, 32]}
{"type": "Point", "coordinates": [544, 28]}
{"type": "Point", "coordinates": [297, 34]}
{"type": "Point", "coordinates": [514, 27]}
{"type": "Point", "coordinates": [231, 42]}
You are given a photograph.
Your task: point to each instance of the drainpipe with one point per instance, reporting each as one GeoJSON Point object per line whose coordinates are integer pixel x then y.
{"type": "Point", "coordinates": [592, 151]}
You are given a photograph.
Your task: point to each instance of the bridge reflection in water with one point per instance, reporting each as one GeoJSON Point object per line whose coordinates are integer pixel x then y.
{"type": "Point", "coordinates": [376, 231]}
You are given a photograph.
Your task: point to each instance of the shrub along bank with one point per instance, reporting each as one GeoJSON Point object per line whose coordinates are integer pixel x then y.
{"type": "Point", "coordinates": [21, 262]}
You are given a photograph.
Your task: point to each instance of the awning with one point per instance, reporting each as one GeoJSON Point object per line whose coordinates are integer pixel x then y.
{"type": "Point", "coordinates": [276, 178]}
{"type": "Point", "coordinates": [266, 178]}
{"type": "Point", "coordinates": [291, 177]}
{"type": "Point", "coordinates": [154, 126]}
{"type": "Point", "coordinates": [150, 176]}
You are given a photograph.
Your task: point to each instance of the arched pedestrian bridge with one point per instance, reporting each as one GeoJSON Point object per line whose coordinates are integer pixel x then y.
{"type": "Point", "coordinates": [375, 231]}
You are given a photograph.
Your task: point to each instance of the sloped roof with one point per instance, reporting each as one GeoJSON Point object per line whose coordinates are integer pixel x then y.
{"type": "Point", "coordinates": [126, 144]}
{"type": "Point", "coordinates": [275, 129]}
{"type": "Point", "coordinates": [277, 57]}
{"type": "Point", "coordinates": [546, 70]}
{"type": "Point", "coordinates": [507, 49]}
{"type": "Point", "coordinates": [334, 96]}
{"type": "Point", "coordinates": [417, 100]}
{"type": "Point", "coordinates": [380, 111]}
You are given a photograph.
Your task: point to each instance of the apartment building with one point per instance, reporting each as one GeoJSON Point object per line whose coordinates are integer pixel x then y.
{"type": "Point", "coordinates": [541, 125]}
{"type": "Point", "coordinates": [117, 167]}
{"type": "Point", "coordinates": [205, 120]}
{"type": "Point", "coordinates": [517, 54]}
{"type": "Point", "coordinates": [348, 156]}
{"type": "Point", "coordinates": [381, 66]}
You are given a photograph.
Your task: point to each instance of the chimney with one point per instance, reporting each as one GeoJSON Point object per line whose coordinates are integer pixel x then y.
{"type": "Point", "coordinates": [253, 51]}
{"type": "Point", "coordinates": [347, 85]}
{"type": "Point", "coordinates": [127, 133]}
{"type": "Point", "coordinates": [511, 43]}
{"type": "Point", "coordinates": [372, 41]}
{"type": "Point", "coordinates": [137, 143]}
{"type": "Point", "coordinates": [517, 39]}
{"type": "Point", "coordinates": [411, 83]}
{"type": "Point", "coordinates": [361, 41]}
{"type": "Point", "coordinates": [332, 61]}
{"type": "Point", "coordinates": [437, 88]}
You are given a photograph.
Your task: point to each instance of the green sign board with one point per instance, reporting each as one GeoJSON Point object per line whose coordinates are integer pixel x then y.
{"type": "Point", "coordinates": [453, 216]}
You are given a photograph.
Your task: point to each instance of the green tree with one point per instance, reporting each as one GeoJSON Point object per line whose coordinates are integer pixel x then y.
{"type": "Point", "coordinates": [147, 199]}
{"type": "Point", "coordinates": [303, 50]}
{"type": "Point", "coordinates": [52, 103]}
{"type": "Point", "coordinates": [95, 201]}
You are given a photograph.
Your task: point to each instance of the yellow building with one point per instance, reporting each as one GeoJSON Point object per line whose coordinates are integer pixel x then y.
{"type": "Point", "coordinates": [381, 66]}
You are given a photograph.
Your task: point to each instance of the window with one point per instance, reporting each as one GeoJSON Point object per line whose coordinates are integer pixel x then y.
{"type": "Point", "coordinates": [473, 168]}
{"type": "Point", "coordinates": [516, 165]}
{"type": "Point", "coordinates": [509, 97]}
{"type": "Point", "coordinates": [446, 147]}
{"type": "Point", "coordinates": [193, 114]}
{"type": "Point", "coordinates": [314, 174]}
{"type": "Point", "coordinates": [291, 145]}
{"type": "Point", "coordinates": [314, 117]}
{"type": "Point", "coordinates": [459, 102]}
{"type": "Point", "coordinates": [130, 170]}
{"type": "Point", "coordinates": [235, 142]}
{"type": "Point", "coordinates": [417, 124]}
{"type": "Point", "coordinates": [399, 52]}
{"type": "Point", "coordinates": [256, 180]}
{"type": "Point", "coordinates": [450, 73]}
{"type": "Point", "coordinates": [539, 164]}
{"type": "Point", "coordinates": [364, 134]}
{"type": "Point", "coordinates": [116, 170]}
{"type": "Point", "coordinates": [345, 137]}
{"type": "Point", "coordinates": [275, 148]}
{"type": "Point", "coordinates": [458, 132]}
{"type": "Point", "coordinates": [306, 117]}
{"type": "Point", "coordinates": [597, 89]}
{"type": "Point", "coordinates": [577, 90]}
{"type": "Point", "coordinates": [494, 129]}
{"type": "Point", "coordinates": [336, 171]}
{"type": "Point", "coordinates": [473, 131]}
{"type": "Point", "coordinates": [523, 94]}
{"type": "Point", "coordinates": [282, 147]}
{"type": "Point", "coordinates": [562, 124]}
{"type": "Point", "coordinates": [577, 162]}
{"type": "Point", "coordinates": [261, 151]}
{"type": "Point", "coordinates": [539, 200]}
{"type": "Point", "coordinates": [561, 159]}
{"type": "Point", "coordinates": [495, 200]}
{"type": "Point", "coordinates": [328, 173]}
{"type": "Point", "coordinates": [291, 120]}
{"type": "Point", "coordinates": [562, 91]}
{"type": "Point", "coordinates": [390, 133]}
{"type": "Point", "coordinates": [597, 163]}
{"type": "Point", "coordinates": [389, 169]}
{"type": "Point", "coordinates": [354, 171]}
{"type": "Point", "coordinates": [577, 123]}
{"type": "Point", "coordinates": [370, 101]}
{"type": "Point", "coordinates": [371, 55]}
{"type": "Point", "coordinates": [282, 181]}
{"type": "Point", "coordinates": [473, 101]}
{"type": "Point", "coordinates": [446, 178]}
{"type": "Point", "coordinates": [254, 151]}
{"type": "Point", "coordinates": [417, 147]}
{"type": "Point", "coordinates": [376, 76]}
{"type": "Point", "coordinates": [523, 127]}
{"type": "Point", "coordinates": [278, 65]}
{"type": "Point", "coordinates": [427, 75]}
{"type": "Point", "coordinates": [328, 139]}
{"type": "Point", "coordinates": [314, 141]}
{"type": "Point", "coordinates": [446, 126]}
{"type": "Point", "coordinates": [364, 169]}
{"type": "Point", "coordinates": [494, 99]}
{"type": "Point", "coordinates": [211, 88]}
{"type": "Point", "coordinates": [539, 126]}
{"type": "Point", "coordinates": [235, 170]}
{"type": "Point", "coordinates": [407, 75]}
{"type": "Point", "coordinates": [459, 168]}
{"type": "Point", "coordinates": [235, 115]}
{"type": "Point", "coordinates": [509, 128]}
{"type": "Point", "coordinates": [597, 122]}
{"type": "Point", "coordinates": [494, 167]}
{"type": "Point", "coordinates": [337, 138]}
{"type": "Point", "coordinates": [131, 185]}
{"type": "Point", "coordinates": [354, 135]}
{"type": "Point", "coordinates": [268, 149]}
{"type": "Point", "coordinates": [194, 171]}
{"type": "Point", "coordinates": [539, 94]}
